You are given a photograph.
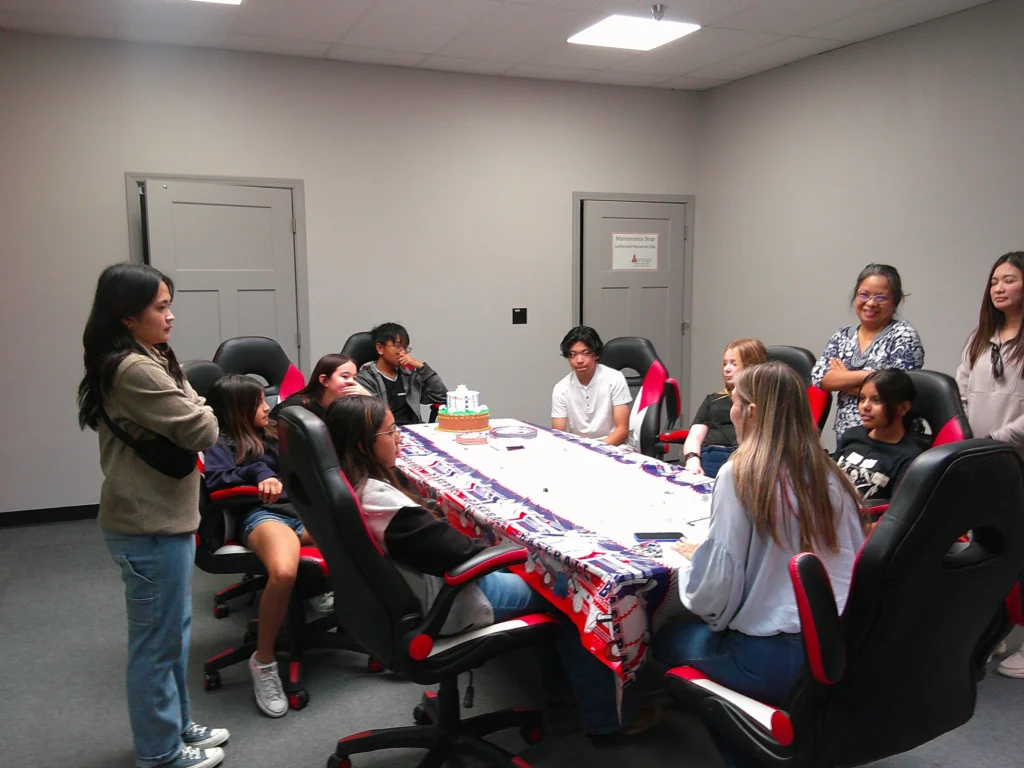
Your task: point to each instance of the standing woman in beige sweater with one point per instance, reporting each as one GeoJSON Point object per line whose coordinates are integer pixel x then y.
{"type": "Point", "coordinates": [150, 424]}
{"type": "Point", "coordinates": [991, 374]}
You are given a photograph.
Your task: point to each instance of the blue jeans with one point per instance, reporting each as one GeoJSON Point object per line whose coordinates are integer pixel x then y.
{"type": "Point", "coordinates": [157, 576]}
{"type": "Point", "coordinates": [763, 668]}
{"type": "Point", "coordinates": [593, 683]}
{"type": "Point", "coordinates": [712, 457]}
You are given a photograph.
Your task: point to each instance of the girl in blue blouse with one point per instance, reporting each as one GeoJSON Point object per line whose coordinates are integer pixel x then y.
{"type": "Point", "coordinates": [746, 635]}
{"type": "Point", "coordinates": [878, 341]}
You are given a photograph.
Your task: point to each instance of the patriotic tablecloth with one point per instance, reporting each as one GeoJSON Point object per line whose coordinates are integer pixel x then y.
{"type": "Point", "coordinates": [575, 504]}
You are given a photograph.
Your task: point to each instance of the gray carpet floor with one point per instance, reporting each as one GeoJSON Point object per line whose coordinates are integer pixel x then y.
{"type": "Point", "coordinates": [62, 638]}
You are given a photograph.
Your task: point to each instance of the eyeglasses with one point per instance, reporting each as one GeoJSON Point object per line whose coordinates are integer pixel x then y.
{"type": "Point", "coordinates": [395, 432]}
{"type": "Point", "coordinates": [584, 354]}
{"type": "Point", "coordinates": [399, 347]}
{"type": "Point", "coordinates": [879, 299]}
{"type": "Point", "coordinates": [997, 362]}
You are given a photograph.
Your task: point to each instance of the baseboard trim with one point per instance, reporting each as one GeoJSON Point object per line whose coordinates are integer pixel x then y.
{"type": "Point", "coordinates": [54, 515]}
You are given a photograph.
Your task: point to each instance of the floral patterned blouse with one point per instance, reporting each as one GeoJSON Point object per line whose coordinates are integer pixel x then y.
{"type": "Point", "coordinates": [897, 346]}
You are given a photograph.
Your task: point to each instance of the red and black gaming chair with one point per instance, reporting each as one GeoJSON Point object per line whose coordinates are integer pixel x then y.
{"type": "Point", "coordinates": [802, 361]}
{"type": "Point", "coordinates": [870, 689]}
{"type": "Point", "coordinates": [362, 350]}
{"type": "Point", "coordinates": [378, 608]}
{"type": "Point", "coordinates": [656, 405]}
{"type": "Point", "coordinates": [263, 357]}
{"type": "Point", "coordinates": [201, 374]}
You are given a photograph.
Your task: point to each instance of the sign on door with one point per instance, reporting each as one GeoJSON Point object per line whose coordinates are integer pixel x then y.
{"type": "Point", "coordinates": [634, 250]}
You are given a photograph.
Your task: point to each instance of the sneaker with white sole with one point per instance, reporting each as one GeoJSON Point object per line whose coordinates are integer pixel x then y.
{"type": "Point", "coordinates": [200, 736]}
{"type": "Point", "coordinates": [266, 683]}
{"type": "Point", "coordinates": [1000, 649]}
{"type": "Point", "coordinates": [325, 603]}
{"type": "Point", "coordinates": [1013, 665]}
{"type": "Point", "coordinates": [192, 757]}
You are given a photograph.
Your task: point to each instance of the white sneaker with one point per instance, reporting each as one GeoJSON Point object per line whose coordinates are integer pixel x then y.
{"type": "Point", "coordinates": [325, 603]}
{"type": "Point", "coordinates": [1000, 649]}
{"type": "Point", "coordinates": [192, 757]}
{"type": "Point", "coordinates": [267, 685]}
{"type": "Point", "coordinates": [1012, 666]}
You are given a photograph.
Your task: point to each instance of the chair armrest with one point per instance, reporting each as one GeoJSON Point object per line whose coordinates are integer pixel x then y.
{"type": "Point", "coordinates": [671, 398]}
{"type": "Point", "coordinates": [433, 413]}
{"type": "Point", "coordinates": [244, 492]}
{"type": "Point", "coordinates": [679, 436]}
{"type": "Point", "coordinates": [874, 511]}
{"type": "Point", "coordinates": [489, 560]}
{"type": "Point", "coordinates": [420, 640]}
{"type": "Point", "coordinates": [819, 618]}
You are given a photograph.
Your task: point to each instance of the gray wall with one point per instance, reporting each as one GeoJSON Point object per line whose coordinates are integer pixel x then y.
{"type": "Point", "coordinates": [435, 199]}
{"type": "Point", "coordinates": [906, 149]}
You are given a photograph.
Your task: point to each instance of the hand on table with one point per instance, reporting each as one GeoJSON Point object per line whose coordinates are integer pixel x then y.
{"type": "Point", "coordinates": [693, 465]}
{"type": "Point", "coordinates": [685, 548]}
{"type": "Point", "coordinates": [270, 490]}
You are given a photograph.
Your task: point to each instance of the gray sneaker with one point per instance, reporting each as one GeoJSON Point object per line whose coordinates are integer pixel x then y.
{"type": "Point", "coordinates": [200, 736]}
{"type": "Point", "coordinates": [191, 757]}
{"type": "Point", "coordinates": [267, 686]}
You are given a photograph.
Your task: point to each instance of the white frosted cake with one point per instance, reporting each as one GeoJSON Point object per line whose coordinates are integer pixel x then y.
{"type": "Point", "coordinates": [463, 412]}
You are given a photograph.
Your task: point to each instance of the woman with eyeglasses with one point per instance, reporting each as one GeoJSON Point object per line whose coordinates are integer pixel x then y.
{"type": "Point", "coordinates": [878, 341]}
{"type": "Point", "coordinates": [991, 372]}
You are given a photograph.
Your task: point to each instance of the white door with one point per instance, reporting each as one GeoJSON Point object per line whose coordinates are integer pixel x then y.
{"type": "Point", "coordinates": [633, 271]}
{"type": "Point", "coordinates": [230, 251]}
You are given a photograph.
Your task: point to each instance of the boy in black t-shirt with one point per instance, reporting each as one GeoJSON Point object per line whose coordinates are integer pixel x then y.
{"type": "Point", "coordinates": [398, 378]}
{"type": "Point", "coordinates": [876, 455]}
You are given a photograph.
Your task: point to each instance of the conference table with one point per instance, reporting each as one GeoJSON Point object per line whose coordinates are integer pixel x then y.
{"type": "Point", "coordinates": [576, 505]}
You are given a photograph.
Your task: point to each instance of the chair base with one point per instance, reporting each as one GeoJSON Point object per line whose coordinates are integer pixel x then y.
{"type": "Point", "coordinates": [443, 732]}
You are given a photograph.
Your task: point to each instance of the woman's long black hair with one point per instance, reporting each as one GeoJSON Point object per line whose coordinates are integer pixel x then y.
{"type": "Point", "coordinates": [123, 290]}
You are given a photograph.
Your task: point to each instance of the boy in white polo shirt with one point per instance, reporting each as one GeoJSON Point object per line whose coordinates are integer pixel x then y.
{"type": "Point", "coordinates": [593, 400]}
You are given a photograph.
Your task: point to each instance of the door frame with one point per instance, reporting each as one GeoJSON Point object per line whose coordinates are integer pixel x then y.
{"type": "Point", "coordinates": [576, 279]}
{"type": "Point", "coordinates": [298, 190]}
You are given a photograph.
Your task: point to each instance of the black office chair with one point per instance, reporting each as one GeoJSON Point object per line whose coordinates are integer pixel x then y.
{"type": "Point", "coordinates": [375, 603]}
{"type": "Point", "coordinates": [201, 374]}
{"type": "Point", "coordinates": [362, 350]}
{"type": "Point", "coordinates": [802, 361]}
{"type": "Point", "coordinates": [938, 405]}
{"type": "Point", "coordinates": [656, 406]}
{"type": "Point", "coordinates": [263, 357]}
{"type": "Point", "coordinates": [871, 688]}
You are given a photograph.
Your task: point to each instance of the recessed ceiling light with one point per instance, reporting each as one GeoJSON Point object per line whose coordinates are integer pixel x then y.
{"type": "Point", "coordinates": [220, 2]}
{"type": "Point", "coordinates": [633, 32]}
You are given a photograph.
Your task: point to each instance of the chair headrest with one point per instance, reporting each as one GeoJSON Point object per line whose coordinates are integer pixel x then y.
{"type": "Point", "coordinates": [201, 374]}
{"type": "Point", "coordinates": [360, 348]}
{"type": "Point", "coordinates": [633, 352]}
{"type": "Point", "coordinates": [248, 355]}
{"type": "Point", "coordinates": [799, 359]}
{"type": "Point", "coordinates": [938, 403]}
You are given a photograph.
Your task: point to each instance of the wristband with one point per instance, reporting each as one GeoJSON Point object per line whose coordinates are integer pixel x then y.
{"type": "Point", "coordinates": [690, 455]}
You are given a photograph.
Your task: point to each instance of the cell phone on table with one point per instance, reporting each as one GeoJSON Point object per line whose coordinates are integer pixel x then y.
{"type": "Point", "coordinates": [658, 536]}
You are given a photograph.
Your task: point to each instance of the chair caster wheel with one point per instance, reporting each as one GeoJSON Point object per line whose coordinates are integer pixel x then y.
{"type": "Point", "coordinates": [211, 681]}
{"type": "Point", "coordinates": [420, 716]}
{"type": "Point", "coordinates": [298, 699]}
{"type": "Point", "coordinates": [374, 666]}
{"type": "Point", "coordinates": [338, 762]}
{"type": "Point", "coordinates": [532, 734]}
{"type": "Point", "coordinates": [220, 610]}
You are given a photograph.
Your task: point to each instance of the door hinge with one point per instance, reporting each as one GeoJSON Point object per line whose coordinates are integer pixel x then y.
{"type": "Point", "coordinates": [295, 226]}
{"type": "Point", "coordinates": [686, 232]}
{"type": "Point", "coordinates": [684, 328]}
{"type": "Point", "coordinates": [298, 339]}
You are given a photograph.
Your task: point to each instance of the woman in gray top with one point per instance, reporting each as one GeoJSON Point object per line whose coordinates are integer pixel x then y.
{"type": "Point", "coordinates": [991, 374]}
{"type": "Point", "coordinates": [150, 424]}
{"type": "Point", "coordinates": [738, 580]}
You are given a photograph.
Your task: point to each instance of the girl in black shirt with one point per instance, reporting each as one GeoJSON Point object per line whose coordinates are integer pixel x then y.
{"type": "Point", "coordinates": [876, 454]}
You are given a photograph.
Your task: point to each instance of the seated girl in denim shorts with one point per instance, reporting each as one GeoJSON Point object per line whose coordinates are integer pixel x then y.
{"type": "Point", "coordinates": [245, 455]}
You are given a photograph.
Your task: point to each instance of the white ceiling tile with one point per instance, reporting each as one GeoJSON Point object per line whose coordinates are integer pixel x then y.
{"type": "Point", "coordinates": [374, 56]}
{"type": "Point", "coordinates": [153, 14]}
{"type": "Point", "coordinates": [278, 45]}
{"type": "Point", "coordinates": [624, 78]}
{"type": "Point", "coordinates": [190, 36]}
{"type": "Point", "coordinates": [793, 17]}
{"type": "Point", "coordinates": [321, 20]}
{"type": "Point", "coordinates": [57, 25]}
{"type": "Point", "coordinates": [565, 54]}
{"type": "Point", "coordinates": [517, 33]}
{"type": "Point", "coordinates": [79, 9]}
{"type": "Point", "coordinates": [415, 25]}
{"type": "Point", "coordinates": [889, 18]}
{"type": "Point", "coordinates": [770, 56]}
{"type": "Point", "coordinates": [701, 12]}
{"type": "Point", "coordinates": [691, 83]}
{"type": "Point", "coordinates": [701, 49]}
{"type": "Point", "coordinates": [470, 66]}
{"type": "Point", "coordinates": [535, 71]}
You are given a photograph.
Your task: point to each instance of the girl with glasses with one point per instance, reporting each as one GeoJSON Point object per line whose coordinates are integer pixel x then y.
{"type": "Point", "coordinates": [878, 341]}
{"type": "Point", "coordinates": [991, 373]}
